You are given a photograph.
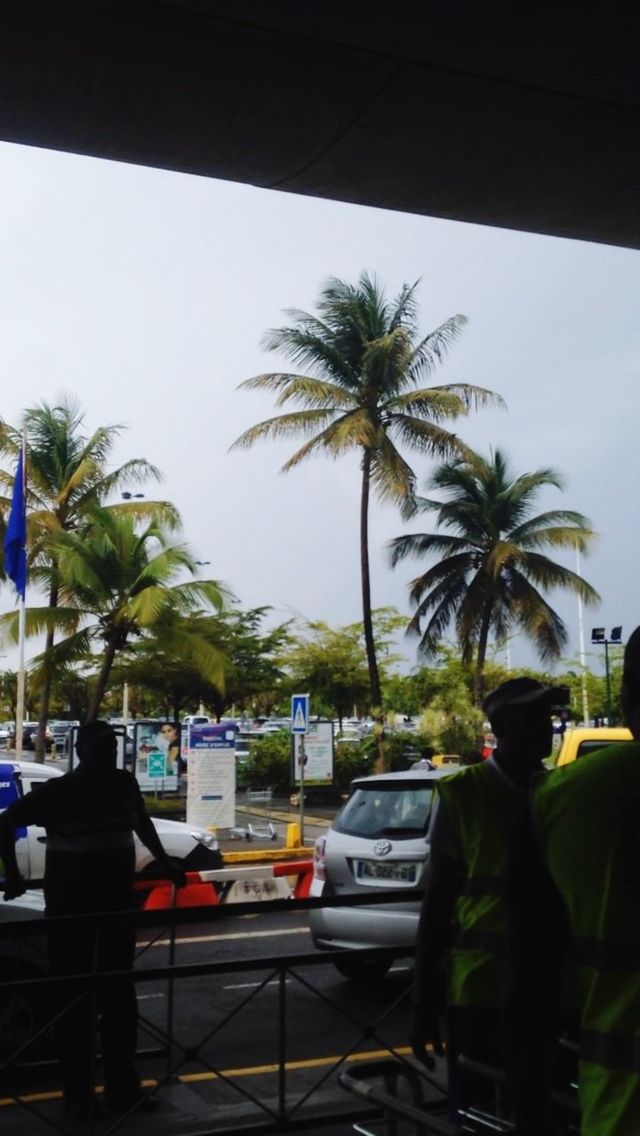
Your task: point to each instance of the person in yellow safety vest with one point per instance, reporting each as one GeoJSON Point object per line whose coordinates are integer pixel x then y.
{"type": "Point", "coordinates": [463, 913]}
{"type": "Point", "coordinates": [90, 816]}
{"type": "Point", "coordinates": [586, 822]}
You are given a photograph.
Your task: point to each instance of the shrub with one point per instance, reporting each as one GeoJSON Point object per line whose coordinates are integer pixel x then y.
{"type": "Point", "coordinates": [269, 763]}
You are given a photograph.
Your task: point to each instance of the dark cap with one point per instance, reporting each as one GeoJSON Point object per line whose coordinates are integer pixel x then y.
{"type": "Point", "coordinates": [518, 692]}
{"type": "Point", "coordinates": [92, 733]}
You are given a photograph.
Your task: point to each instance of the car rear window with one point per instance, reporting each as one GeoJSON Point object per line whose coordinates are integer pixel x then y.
{"type": "Point", "coordinates": [591, 746]}
{"type": "Point", "coordinates": [386, 810]}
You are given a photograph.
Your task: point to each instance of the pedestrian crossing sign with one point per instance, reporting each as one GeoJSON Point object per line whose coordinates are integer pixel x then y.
{"type": "Point", "coordinates": [299, 713]}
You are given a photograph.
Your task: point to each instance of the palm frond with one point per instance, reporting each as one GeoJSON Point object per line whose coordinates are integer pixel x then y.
{"type": "Point", "coordinates": [350, 431]}
{"type": "Point", "coordinates": [432, 403]}
{"type": "Point", "coordinates": [302, 422]}
{"type": "Point", "coordinates": [424, 544]}
{"type": "Point", "coordinates": [426, 437]}
{"type": "Point", "coordinates": [391, 476]}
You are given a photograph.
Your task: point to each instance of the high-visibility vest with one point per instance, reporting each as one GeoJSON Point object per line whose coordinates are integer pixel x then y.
{"type": "Point", "coordinates": [588, 818]}
{"type": "Point", "coordinates": [481, 808]}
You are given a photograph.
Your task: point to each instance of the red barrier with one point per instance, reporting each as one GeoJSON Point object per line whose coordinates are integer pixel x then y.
{"type": "Point", "coordinates": [195, 894]}
{"type": "Point", "coordinates": [200, 893]}
{"type": "Point", "coordinates": [303, 869]}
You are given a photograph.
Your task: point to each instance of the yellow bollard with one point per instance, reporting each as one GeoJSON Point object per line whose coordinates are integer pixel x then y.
{"type": "Point", "coordinates": [293, 836]}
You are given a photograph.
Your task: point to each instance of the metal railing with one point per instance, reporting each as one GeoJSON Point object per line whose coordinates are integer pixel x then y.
{"type": "Point", "coordinates": [296, 1096]}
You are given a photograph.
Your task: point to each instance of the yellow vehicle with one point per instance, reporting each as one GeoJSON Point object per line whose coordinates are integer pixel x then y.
{"type": "Point", "coordinates": [439, 759]}
{"type": "Point", "coordinates": [587, 739]}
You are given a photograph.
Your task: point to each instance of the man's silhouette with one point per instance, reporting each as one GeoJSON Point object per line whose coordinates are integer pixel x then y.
{"type": "Point", "coordinates": [90, 816]}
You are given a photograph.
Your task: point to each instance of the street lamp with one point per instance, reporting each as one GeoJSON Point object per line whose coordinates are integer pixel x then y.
{"type": "Point", "coordinates": [126, 495]}
{"type": "Point", "coordinates": [202, 562]}
{"type": "Point", "coordinates": [599, 635]}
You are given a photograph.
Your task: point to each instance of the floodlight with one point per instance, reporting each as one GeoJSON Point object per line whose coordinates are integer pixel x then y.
{"type": "Point", "coordinates": [616, 634]}
{"type": "Point", "coordinates": [597, 635]}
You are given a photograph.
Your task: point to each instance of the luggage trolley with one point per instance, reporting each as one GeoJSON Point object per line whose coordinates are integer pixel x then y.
{"type": "Point", "coordinates": [398, 1090]}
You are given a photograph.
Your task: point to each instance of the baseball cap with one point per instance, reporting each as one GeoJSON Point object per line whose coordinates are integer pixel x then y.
{"type": "Point", "coordinates": [521, 692]}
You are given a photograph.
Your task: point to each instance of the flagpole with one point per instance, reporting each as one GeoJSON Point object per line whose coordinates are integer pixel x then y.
{"type": "Point", "coordinates": [21, 625]}
{"type": "Point", "coordinates": [21, 684]}
{"type": "Point", "coordinates": [583, 659]}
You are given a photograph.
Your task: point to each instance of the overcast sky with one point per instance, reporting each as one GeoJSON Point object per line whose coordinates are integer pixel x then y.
{"type": "Point", "coordinates": [146, 294]}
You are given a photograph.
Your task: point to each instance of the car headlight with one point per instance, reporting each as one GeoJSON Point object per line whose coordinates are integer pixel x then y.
{"type": "Point", "coordinates": [206, 838]}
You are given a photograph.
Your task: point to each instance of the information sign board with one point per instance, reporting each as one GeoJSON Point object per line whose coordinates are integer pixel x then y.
{"type": "Point", "coordinates": [318, 755]}
{"type": "Point", "coordinates": [156, 756]}
{"type": "Point", "coordinates": [211, 775]}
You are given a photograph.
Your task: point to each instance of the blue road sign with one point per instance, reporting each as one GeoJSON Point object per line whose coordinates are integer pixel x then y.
{"type": "Point", "coordinates": [299, 713]}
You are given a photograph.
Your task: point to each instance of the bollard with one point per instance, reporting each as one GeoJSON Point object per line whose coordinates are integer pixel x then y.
{"type": "Point", "coordinates": [293, 836]}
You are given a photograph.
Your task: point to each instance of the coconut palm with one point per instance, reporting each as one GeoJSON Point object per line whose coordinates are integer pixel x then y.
{"type": "Point", "coordinates": [67, 472]}
{"type": "Point", "coordinates": [119, 579]}
{"type": "Point", "coordinates": [359, 388]}
{"type": "Point", "coordinates": [491, 573]}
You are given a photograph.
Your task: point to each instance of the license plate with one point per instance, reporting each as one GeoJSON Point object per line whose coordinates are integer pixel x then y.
{"type": "Point", "coordinates": [376, 870]}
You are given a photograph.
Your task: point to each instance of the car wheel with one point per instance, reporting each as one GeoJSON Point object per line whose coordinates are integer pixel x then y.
{"type": "Point", "coordinates": [363, 969]}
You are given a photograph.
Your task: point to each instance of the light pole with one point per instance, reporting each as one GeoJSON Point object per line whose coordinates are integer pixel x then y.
{"type": "Point", "coordinates": [598, 635]}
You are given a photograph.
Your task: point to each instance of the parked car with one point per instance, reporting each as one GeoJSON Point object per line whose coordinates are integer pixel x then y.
{"type": "Point", "coordinates": [587, 739]}
{"type": "Point", "coordinates": [379, 839]}
{"type": "Point", "coordinates": [5, 730]}
{"type": "Point", "coordinates": [196, 720]}
{"type": "Point", "coordinates": [29, 731]}
{"type": "Point", "coordinates": [192, 847]}
{"type": "Point", "coordinates": [59, 733]}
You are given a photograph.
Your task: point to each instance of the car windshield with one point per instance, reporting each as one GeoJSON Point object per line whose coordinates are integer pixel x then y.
{"type": "Point", "coordinates": [386, 810]}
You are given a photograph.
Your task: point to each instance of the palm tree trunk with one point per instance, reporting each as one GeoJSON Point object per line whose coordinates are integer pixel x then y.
{"type": "Point", "coordinates": [481, 654]}
{"type": "Point", "coordinates": [47, 679]}
{"type": "Point", "coordinates": [367, 622]}
{"type": "Point", "coordinates": [101, 684]}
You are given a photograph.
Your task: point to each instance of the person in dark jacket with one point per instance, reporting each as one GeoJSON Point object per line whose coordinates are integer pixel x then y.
{"type": "Point", "coordinates": [90, 816]}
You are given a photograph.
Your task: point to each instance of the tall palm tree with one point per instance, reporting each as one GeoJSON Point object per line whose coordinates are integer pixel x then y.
{"type": "Point", "coordinates": [67, 472]}
{"type": "Point", "coordinates": [363, 364]}
{"type": "Point", "coordinates": [118, 580]}
{"type": "Point", "coordinates": [491, 572]}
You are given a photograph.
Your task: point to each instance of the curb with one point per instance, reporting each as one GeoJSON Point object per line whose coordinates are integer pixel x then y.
{"type": "Point", "coordinates": [266, 855]}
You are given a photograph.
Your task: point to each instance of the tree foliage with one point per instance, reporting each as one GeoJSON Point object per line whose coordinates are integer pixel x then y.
{"type": "Point", "coordinates": [490, 574]}
{"type": "Point", "coordinates": [120, 578]}
{"type": "Point", "coordinates": [358, 386]}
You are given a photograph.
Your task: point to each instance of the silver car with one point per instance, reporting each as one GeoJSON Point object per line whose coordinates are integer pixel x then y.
{"type": "Point", "coordinates": [379, 839]}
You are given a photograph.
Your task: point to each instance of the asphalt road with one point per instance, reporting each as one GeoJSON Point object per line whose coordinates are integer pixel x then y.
{"type": "Point", "coordinates": [217, 1040]}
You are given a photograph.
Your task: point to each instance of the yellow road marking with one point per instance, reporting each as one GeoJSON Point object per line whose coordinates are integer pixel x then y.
{"type": "Point", "coordinates": [250, 1071]}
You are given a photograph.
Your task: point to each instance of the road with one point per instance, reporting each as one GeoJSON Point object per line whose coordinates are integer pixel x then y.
{"type": "Point", "coordinates": [221, 1037]}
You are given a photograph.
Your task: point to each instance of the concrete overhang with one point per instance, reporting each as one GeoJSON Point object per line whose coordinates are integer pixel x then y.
{"type": "Point", "coordinates": [520, 116]}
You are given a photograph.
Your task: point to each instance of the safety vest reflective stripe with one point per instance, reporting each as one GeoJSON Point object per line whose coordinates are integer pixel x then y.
{"type": "Point", "coordinates": [611, 1050]}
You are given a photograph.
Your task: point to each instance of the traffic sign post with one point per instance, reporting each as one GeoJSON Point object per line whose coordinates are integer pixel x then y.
{"type": "Point", "coordinates": [299, 713]}
{"type": "Point", "coordinates": [299, 723]}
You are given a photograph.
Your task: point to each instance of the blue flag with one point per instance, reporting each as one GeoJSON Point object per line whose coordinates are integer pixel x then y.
{"type": "Point", "coordinates": [15, 540]}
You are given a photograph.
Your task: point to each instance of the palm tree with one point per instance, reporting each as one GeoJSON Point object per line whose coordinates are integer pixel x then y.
{"type": "Point", "coordinates": [363, 364]}
{"type": "Point", "coordinates": [66, 474]}
{"type": "Point", "coordinates": [118, 579]}
{"type": "Point", "coordinates": [491, 573]}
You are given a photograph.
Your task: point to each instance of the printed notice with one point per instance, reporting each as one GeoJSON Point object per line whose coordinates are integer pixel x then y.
{"type": "Point", "coordinates": [211, 780]}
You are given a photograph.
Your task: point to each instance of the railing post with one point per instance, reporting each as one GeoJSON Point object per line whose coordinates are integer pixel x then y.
{"type": "Point", "coordinates": [282, 1046]}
